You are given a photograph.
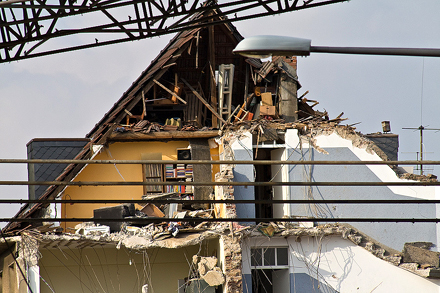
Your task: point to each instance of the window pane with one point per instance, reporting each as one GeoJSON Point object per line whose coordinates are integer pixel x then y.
{"type": "Point", "coordinates": [269, 256]}
{"type": "Point", "coordinates": [256, 257]}
{"type": "Point", "coordinates": [282, 256]}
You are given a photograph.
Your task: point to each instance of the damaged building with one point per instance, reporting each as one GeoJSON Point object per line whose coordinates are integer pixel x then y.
{"type": "Point", "coordinates": [199, 101]}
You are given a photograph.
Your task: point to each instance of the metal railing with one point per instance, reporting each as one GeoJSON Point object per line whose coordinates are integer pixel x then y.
{"type": "Point", "coordinates": [211, 183]}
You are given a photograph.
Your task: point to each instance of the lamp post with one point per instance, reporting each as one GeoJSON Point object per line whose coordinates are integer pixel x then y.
{"type": "Point", "coordinates": [265, 46]}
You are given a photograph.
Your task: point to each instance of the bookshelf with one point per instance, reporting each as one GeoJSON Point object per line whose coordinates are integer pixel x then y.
{"type": "Point", "coordinates": [178, 173]}
{"type": "Point", "coordinates": [153, 173]}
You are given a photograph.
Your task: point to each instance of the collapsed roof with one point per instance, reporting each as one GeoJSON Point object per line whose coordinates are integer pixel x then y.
{"type": "Point", "coordinates": [176, 91]}
{"type": "Point", "coordinates": [186, 56]}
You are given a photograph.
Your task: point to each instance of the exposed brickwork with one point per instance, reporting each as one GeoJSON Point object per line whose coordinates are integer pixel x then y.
{"type": "Point", "coordinates": [291, 61]}
{"type": "Point", "coordinates": [226, 192]}
{"type": "Point", "coordinates": [232, 265]}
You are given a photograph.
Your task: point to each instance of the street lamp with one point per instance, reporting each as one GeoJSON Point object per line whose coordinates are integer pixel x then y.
{"type": "Point", "coordinates": [265, 46]}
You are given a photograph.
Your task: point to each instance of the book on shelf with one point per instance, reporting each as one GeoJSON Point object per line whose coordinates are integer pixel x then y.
{"type": "Point", "coordinates": [189, 171]}
{"type": "Point", "coordinates": [189, 188]}
{"type": "Point", "coordinates": [175, 188]}
{"type": "Point", "coordinates": [170, 171]}
{"type": "Point", "coordinates": [180, 170]}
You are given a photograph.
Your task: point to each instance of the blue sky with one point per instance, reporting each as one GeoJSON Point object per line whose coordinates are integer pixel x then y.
{"type": "Point", "coordinates": [65, 95]}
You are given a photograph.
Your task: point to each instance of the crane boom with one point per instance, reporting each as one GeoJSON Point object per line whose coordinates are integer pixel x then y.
{"type": "Point", "coordinates": [30, 28]}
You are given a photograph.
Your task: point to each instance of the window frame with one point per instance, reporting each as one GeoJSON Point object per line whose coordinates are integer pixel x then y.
{"type": "Point", "coordinates": [262, 251]}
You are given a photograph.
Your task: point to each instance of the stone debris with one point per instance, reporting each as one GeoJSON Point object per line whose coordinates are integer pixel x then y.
{"type": "Point", "coordinates": [208, 270]}
{"type": "Point", "coordinates": [418, 252]}
{"type": "Point", "coordinates": [214, 277]}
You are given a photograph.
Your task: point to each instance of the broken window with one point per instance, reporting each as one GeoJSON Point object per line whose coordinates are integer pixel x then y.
{"type": "Point", "coordinates": [270, 269]}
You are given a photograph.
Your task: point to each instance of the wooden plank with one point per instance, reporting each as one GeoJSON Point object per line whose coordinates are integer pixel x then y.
{"type": "Point", "coordinates": [244, 107]}
{"type": "Point", "coordinates": [197, 49]}
{"type": "Point", "coordinates": [133, 136]}
{"type": "Point", "coordinates": [173, 94]}
{"type": "Point", "coordinates": [203, 101]}
{"type": "Point", "coordinates": [214, 102]}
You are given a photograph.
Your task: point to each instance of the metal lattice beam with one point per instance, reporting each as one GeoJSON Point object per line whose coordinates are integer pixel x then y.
{"type": "Point", "coordinates": [29, 28]}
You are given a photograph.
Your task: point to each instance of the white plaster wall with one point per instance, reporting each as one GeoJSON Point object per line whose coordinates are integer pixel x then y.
{"type": "Point", "coordinates": [350, 268]}
{"type": "Point", "coordinates": [221, 258]}
{"type": "Point", "coordinates": [383, 172]}
{"type": "Point", "coordinates": [437, 212]}
{"type": "Point", "coordinates": [242, 149]}
{"type": "Point", "coordinates": [393, 235]}
{"type": "Point", "coordinates": [342, 265]}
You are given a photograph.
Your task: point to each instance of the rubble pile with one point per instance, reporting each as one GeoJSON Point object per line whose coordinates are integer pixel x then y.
{"type": "Point", "coordinates": [131, 220]}
{"type": "Point", "coordinates": [145, 126]}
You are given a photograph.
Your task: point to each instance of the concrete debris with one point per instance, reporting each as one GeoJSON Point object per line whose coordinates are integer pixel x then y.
{"type": "Point", "coordinates": [132, 238]}
{"type": "Point", "coordinates": [409, 266]}
{"type": "Point", "coordinates": [209, 262]}
{"type": "Point", "coordinates": [423, 178]}
{"type": "Point", "coordinates": [214, 277]}
{"type": "Point", "coordinates": [95, 230]}
{"type": "Point", "coordinates": [208, 270]}
{"type": "Point", "coordinates": [418, 252]}
{"type": "Point", "coordinates": [394, 259]}
{"type": "Point", "coordinates": [201, 268]}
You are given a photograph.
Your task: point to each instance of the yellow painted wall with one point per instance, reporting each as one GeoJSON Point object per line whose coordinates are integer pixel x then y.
{"type": "Point", "coordinates": [215, 157]}
{"type": "Point", "coordinates": [106, 172]}
{"type": "Point", "coordinates": [107, 269]}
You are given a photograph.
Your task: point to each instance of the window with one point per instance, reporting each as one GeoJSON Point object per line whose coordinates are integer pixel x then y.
{"type": "Point", "coordinates": [270, 270]}
{"type": "Point", "coordinates": [269, 257]}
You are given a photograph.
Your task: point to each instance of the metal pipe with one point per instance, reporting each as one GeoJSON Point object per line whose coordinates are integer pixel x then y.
{"type": "Point", "coordinates": [9, 2]}
{"type": "Point", "coordinates": [198, 220]}
{"type": "Point", "coordinates": [422, 52]}
{"type": "Point", "coordinates": [162, 183]}
{"type": "Point", "coordinates": [221, 201]}
{"type": "Point", "coordinates": [258, 162]}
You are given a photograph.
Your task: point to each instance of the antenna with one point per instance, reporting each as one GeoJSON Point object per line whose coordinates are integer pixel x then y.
{"type": "Point", "coordinates": [421, 128]}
